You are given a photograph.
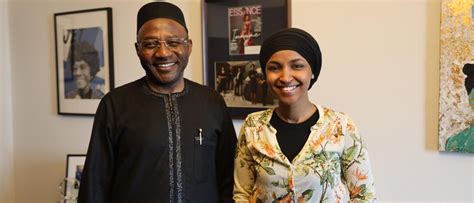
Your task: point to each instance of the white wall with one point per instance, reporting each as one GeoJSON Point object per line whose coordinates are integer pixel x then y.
{"type": "Point", "coordinates": [6, 135]}
{"type": "Point", "coordinates": [380, 65]}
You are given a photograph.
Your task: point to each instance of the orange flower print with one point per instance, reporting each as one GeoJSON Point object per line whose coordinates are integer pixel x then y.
{"type": "Point", "coordinates": [268, 149]}
{"type": "Point", "coordinates": [335, 138]}
{"type": "Point", "coordinates": [339, 192]}
{"type": "Point", "coordinates": [350, 126]}
{"type": "Point", "coordinates": [329, 131]}
{"type": "Point", "coordinates": [326, 112]}
{"type": "Point", "coordinates": [316, 143]}
{"type": "Point", "coordinates": [254, 197]}
{"type": "Point", "coordinates": [354, 190]}
{"type": "Point", "coordinates": [291, 183]}
{"type": "Point", "coordinates": [285, 199]}
{"type": "Point", "coordinates": [333, 134]}
{"type": "Point", "coordinates": [360, 175]}
{"type": "Point", "coordinates": [301, 200]}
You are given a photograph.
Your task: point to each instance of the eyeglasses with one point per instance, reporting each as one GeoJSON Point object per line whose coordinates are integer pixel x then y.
{"type": "Point", "coordinates": [153, 44]}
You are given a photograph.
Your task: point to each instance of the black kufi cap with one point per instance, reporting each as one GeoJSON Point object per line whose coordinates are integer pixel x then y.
{"type": "Point", "coordinates": [296, 40]}
{"type": "Point", "coordinates": [154, 10]}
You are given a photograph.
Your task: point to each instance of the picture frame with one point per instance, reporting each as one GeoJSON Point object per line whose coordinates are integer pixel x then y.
{"type": "Point", "coordinates": [74, 167]}
{"type": "Point", "coordinates": [233, 31]}
{"type": "Point", "coordinates": [84, 59]}
{"type": "Point", "coordinates": [456, 88]}
{"type": "Point", "coordinates": [73, 161]}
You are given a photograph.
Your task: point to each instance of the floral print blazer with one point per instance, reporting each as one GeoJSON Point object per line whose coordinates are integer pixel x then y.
{"type": "Point", "coordinates": [332, 166]}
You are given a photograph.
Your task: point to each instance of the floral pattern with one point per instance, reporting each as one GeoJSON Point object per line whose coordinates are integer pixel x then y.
{"type": "Point", "coordinates": [333, 165]}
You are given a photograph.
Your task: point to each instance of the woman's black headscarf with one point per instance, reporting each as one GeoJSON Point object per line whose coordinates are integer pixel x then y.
{"type": "Point", "coordinates": [297, 40]}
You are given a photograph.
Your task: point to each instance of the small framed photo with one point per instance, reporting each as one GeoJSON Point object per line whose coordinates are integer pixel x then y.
{"type": "Point", "coordinates": [84, 59]}
{"type": "Point", "coordinates": [233, 32]}
{"type": "Point", "coordinates": [74, 168]}
{"type": "Point", "coordinates": [74, 165]}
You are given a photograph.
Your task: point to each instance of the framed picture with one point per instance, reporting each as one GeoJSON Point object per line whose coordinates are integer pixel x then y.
{"type": "Point", "coordinates": [456, 100]}
{"type": "Point", "coordinates": [84, 59]}
{"type": "Point", "coordinates": [74, 165]}
{"type": "Point", "coordinates": [233, 32]}
{"type": "Point", "coordinates": [74, 168]}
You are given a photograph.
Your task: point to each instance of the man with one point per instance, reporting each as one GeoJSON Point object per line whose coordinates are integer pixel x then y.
{"type": "Point", "coordinates": [84, 68]}
{"type": "Point", "coordinates": [239, 81]}
{"type": "Point", "coordinates": [161, 138]}
{"type": "Point", "coordinates": [221, 78]}
{"type": "Point", "coordinates": [253, 75]}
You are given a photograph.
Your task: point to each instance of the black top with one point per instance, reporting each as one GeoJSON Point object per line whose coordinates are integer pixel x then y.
{"type": "Point", "coordinates": [292, 137]}
{"type": "Point", "coordinates": [148, 147]}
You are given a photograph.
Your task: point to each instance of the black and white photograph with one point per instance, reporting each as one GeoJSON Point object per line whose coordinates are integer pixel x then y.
{"type": "Point", "coordinates": [84, 59]}
{"type": "Point", "coordinates": [242, 84]}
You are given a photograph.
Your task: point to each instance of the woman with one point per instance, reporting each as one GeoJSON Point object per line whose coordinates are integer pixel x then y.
{"type": "Point", "coordinates": [221, 79]}
{"type": "Point", "coordinates": [85, 66]}
{"type": "Point", "coordinates": [245, 37]}
{"type": "Point", "coordinates": [299, 151]}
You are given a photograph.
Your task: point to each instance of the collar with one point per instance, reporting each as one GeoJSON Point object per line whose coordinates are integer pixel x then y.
{"type": "Point", "coordinates": [147, 89]}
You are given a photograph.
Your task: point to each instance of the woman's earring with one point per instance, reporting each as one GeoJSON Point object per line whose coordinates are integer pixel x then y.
{"type": "Point", "coordinates": [312, 76]}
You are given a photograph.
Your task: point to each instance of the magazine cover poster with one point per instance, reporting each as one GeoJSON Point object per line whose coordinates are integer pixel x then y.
{"type": "Point", "coordinates": [245, 30]}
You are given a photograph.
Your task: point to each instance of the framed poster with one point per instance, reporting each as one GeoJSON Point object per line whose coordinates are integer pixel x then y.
{"type": "Point", "coordinates": [456, 102]}
{"type": "Point", "coordinates": [84, 59]}
{"type": "Point", "coordinates": [233, 31]}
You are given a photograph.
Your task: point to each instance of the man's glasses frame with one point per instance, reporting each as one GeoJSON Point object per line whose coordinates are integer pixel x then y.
{"type": "Point", "coordinates": [150, 45]}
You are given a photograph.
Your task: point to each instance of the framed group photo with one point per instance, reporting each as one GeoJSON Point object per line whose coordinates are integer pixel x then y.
{"type": "Point", "coordinates": [233, 32]}
{"type": "Point", "coordinates": [84, 59]}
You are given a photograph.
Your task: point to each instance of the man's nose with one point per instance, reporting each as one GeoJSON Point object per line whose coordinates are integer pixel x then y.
{"type": "Point", "coordinates": [163, 50]}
